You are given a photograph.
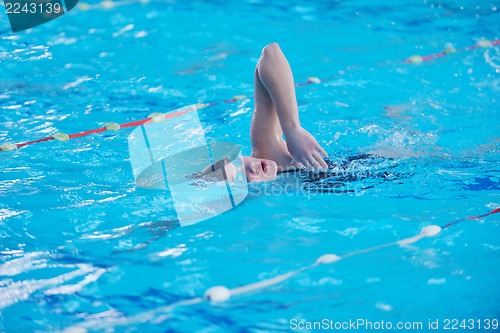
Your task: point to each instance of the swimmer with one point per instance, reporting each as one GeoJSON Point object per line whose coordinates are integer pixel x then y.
{"type": "Point", "coordinates": [275, 116]}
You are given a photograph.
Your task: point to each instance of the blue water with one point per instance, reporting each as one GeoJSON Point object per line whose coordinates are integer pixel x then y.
{"type": "Point", "coordinates": [82, 248]}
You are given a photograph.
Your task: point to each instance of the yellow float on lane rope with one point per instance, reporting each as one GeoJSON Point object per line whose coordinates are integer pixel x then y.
{"type": "Point", "coordinates": [313, 79]}
{"type": "Point", "coordinates": [157, 117]}
{"type": "Point", "coordinates": [200, 106]}
{"type": "Point", "coordinates": [112, 126]}
{"type": "Point", "coordinates": [107, 4]}
{"type": "Point", "coordinates": [484, 43]}
{"type": "Point", "coordinates": [239, 97]}
{"type": "Point", "coordinates": [8, 146]}
{"type": "Point", "coordinates": [60, 136]}
{"type": "Point", "coordinates": [416, 59]}
{"type": "Point", "coordinates": [450, 50]}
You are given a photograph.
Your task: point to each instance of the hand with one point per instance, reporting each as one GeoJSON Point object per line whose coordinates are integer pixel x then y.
{"type": "Point", "coordinates": [305, 149]}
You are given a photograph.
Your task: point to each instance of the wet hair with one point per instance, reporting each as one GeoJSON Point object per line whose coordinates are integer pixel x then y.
{"type": "Point", "coordinates": [209, 173]}
{"type": "Point", "coordinates": [346, 172]}
{"type": "Point", "coordinates": [219, 165]}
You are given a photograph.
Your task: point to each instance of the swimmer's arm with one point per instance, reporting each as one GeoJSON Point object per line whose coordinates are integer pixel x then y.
{"type": "Point", "coordinates": [265, 130]}
{"type": "Point", "coordinates": [276, 112]}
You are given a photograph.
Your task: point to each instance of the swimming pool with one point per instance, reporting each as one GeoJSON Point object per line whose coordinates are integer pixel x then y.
{"type": "Point", "coordinates": [84, 249]}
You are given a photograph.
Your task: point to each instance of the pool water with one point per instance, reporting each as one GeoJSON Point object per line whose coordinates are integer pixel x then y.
{"type": "Point", "coordinates": [84, 249]}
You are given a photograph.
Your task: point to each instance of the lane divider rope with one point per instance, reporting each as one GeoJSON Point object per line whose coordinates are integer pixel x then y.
{"type": "Point", "coordinates": [218, 294]}
{"type": "Point", "coordinates": [221, 293]}
{"type": "Point", "coordinates": [63, 137]}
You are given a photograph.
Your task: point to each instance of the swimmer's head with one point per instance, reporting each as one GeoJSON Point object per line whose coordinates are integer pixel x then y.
{"type": "Point", "coordinates": [259, 169]}
{"type": "Point", "coordinates": [256, 169]}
